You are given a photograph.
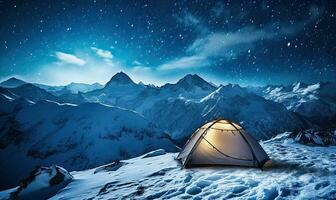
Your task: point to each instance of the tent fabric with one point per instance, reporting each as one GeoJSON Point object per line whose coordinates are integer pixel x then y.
{"type": "Point", "coordinates": [222, 142]}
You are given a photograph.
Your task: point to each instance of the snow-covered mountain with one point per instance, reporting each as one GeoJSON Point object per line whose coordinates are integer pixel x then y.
{"type": "Point", "coordinates": [82, 87]}
{"type": "Point", "coordinates": [122, 91]}
{"type": "Point", "coordinates": [86, 129]}
{"type": "Point", "coordinates": [181, 107]}
{"type": "Point", "coordinates": [262, 118]}
{"type": "Point", "coordinates": [72, 88]}
{"type": "Point", "coordinates": [191, 87]}
{"type": "Point", "coordinates": [190, 83]}
{"type": "Point", "coordinates": [76, 137]}
{"type": "Point", "coordinates": [317, 101]}
{"type": "Point", "coordinates": [12, 82]}
{"type": "Point", "coordinates": [119, 91]}
{"type": "Point", "coordinates": [296, 172]}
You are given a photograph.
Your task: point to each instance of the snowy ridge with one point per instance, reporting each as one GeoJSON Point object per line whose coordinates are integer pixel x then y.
{"type": "Point", "coordinates": [308, 175]}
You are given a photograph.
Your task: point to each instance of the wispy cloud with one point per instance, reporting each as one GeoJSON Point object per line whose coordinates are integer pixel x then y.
{"type": "Point", "coordinates": [69, 58]}
{"type": "Point", "coordinates": [185, 63]}
{"type": "Point", "coordinates": [223, 44]}
{"type": "Point", "coordinates": [102, 53]}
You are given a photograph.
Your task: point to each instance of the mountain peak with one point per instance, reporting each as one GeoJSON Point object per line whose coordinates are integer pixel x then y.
{"type": "Point", "coordinates": [12, 82]}
{"type": "Point", "coordinates": [120, 78]}
{"type": "Point", "coordinates": [191, 80]}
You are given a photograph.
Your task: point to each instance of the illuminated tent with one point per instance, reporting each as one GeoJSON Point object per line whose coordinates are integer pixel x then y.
{"type": "Point", "coordinates": [222, 142]}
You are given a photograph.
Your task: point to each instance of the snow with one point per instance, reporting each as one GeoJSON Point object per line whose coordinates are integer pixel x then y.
{"type": "Point", "coordinates": [296, 172]}
{"type": "Point", "coordinates": [53, 125]}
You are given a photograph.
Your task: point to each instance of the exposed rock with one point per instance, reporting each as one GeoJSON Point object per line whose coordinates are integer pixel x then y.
{"type": "Point", "coordinates": [314, 137]}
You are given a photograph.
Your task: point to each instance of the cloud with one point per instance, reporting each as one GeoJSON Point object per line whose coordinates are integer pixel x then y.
{"type": "Point", "coordinates": [185, 63]}
{"type": "Point", "coordinates": [102, 53]}
{"type": "Point", "coordinates": [223, 44]}
{"type": "Point", "coordinates": [141, 69]}
{"type": "Point", "coordinates": [69, 58]}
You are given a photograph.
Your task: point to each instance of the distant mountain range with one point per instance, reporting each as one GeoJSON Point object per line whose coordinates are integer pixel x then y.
{"type": "Point", "coordinates": [81, 125]}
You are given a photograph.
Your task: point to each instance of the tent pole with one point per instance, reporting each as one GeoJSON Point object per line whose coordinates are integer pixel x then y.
{"type": "Point", "coordinates": [198, 141]}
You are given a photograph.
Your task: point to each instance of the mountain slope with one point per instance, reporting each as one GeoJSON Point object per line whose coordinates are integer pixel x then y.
{"type": "Point", "coordinates": [76, 137]}
{"type": "Point", "coordinates": [262, 118]}
{"type": "Point", "coordinates": [191, 87]}
{"type": "Point", "coordinates": [33, 93]}
{"type": "Point", "coordinates": [317, 101]}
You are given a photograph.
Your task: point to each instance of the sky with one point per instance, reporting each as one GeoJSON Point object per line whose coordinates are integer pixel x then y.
{"type": "Point", "coordinates": [243, 42]}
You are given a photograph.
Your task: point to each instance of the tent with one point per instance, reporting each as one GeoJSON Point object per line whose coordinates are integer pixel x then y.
{"type": "Point", "coordinates": [222, 142]}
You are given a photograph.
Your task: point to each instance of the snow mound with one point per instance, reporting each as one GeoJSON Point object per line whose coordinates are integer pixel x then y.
{"type": "Point", "coordinates": [42, 183]}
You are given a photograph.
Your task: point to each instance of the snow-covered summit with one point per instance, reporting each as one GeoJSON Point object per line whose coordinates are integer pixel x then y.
{"type": "Point", "coordinates": [190, 82]}
{"type": "Point", "coordinates": [193, 80]}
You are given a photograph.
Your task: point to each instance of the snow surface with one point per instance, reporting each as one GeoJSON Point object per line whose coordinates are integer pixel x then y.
{"type": "Point", "coordinates": [296, 172]}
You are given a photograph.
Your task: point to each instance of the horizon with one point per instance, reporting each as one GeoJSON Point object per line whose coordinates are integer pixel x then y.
{"type": "Point", "coordinates": [173, 82]}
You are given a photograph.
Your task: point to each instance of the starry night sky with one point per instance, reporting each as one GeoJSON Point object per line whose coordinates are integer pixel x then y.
{"type": "Point", "coordinates": [247, 42]}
